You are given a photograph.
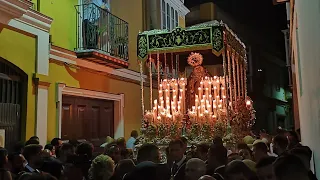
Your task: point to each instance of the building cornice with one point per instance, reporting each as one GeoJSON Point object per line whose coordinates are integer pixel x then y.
{"type": "Point", "coordinates": [179, 6]}
{"type": "Point", "coordinates": [68, 57]}
{"type": "Point", "coordinates": [21, 10]}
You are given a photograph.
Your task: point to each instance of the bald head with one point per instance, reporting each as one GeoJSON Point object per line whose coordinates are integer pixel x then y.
{"type": "Point", "coordinates": [207, 177]}
{"type": "Point", "coordinates": [195, 168]}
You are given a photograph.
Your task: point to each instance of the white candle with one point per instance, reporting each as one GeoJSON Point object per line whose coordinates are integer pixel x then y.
{"type": "Point", "coordinates": [215, 92]}
{"type": "Point", "coordinates": [210, 84]}
{"type": "Point", "coordinates": [210, 100]}
{"type": "Point", "coordinates": [200, 92]}
{"type": "Point", "coordinates": [207, 93]}
{"type": "Point", "coordinates": [202, 106]}
{"type": "Point", "coordinates": [196, 101]}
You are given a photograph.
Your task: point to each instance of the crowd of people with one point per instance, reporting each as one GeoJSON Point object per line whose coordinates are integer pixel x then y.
{"type": "Point", "coordinates": [280, 157]}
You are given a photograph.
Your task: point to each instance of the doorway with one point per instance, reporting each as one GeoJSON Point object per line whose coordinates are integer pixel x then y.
{"type": "Point", "coordinates": [13, 96]}
{"type": "Point", "coordinates": [86, 118]}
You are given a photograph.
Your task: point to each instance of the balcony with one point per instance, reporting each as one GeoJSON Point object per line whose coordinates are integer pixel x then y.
{"type": "Point", "coordinates": [101, 36]}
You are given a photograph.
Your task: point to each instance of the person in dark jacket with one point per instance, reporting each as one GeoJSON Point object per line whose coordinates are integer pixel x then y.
{"type": "Point", "coordinates": [217, 160]}
{"type": "Point", "coordinates": [176, 151]}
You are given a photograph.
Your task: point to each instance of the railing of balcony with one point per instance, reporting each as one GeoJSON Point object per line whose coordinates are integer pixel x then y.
{"type": "Point", "coordinates": [98, 29]}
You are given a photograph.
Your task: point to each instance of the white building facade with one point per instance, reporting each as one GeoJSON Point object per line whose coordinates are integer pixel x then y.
{"type": "Point", "coordinates": [305, 56]}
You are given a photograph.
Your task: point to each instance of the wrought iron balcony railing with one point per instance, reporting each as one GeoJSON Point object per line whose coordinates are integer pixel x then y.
{"type": "Point", "coordinates": [98, 29]}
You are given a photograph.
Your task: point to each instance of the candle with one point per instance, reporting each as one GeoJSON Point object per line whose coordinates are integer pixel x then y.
{"type": "Point", "coordinates": [207, 93]}
{"type": "Point", "coordinates": [156, 106]}
{"type": "Point", "coordinates": [215, 92]}
{"type": "Point", "coordinates": [172, 107]}
{"type": "Point", "coordinates": [154, 113]}
{"type": "Point", "coordinates": [162, 104]}
{"type": "Point", "coordinates": [214, 107]}
{"type": "Point", "coordinates": [200, 92]}
{"type": "Point", "coordinates": [210, 99]}
{"type": "Point", "coordinates": [196, 101]}
{"type": "Point", "coordinates": [218, 87]}
{"type": "Point", "coordinates": [202, 106]}
{"type": "Point", "coordinates": [174, 98]}
{"type": "Point", "coordinates": [176, 90]}
{"type": "Point", "coordinates": [210, 84]}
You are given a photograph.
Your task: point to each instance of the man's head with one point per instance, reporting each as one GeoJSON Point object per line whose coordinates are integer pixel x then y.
{"type": "Point", "coordinates": [51, 148]}
{"type": "Point", "coordinates": [304, 153]}
{"type": "Point", "coordinates": [32, 141]}
{"type": "Point", "coordinates": [195, 168]}
{"type": "Point", "coordinates": [35, 138]}
{"type": "Point", "coordinates": [202, 151]}
{"type": "Point", "coordinates": [134, 134]}
{"type": "Point", "coordinates": [17, 161]}
{"type": "Point", "coordinates": [260, 150]}
{"type": "Point", "coordinates": [176, 150]}
{"type": "Point", "coordinates": [85, 149]}
{"type": "Point", "coordinates": [218, 141]}
{"type": "Point", "coordinates": [148, 152]}
{"type": "Point", "coordinates": [32, 153]}
{"type": "Point", "coordinates": [280, 143]}
{"type": "Point", "coordinates": [238, 170]}
{"type": "Point", "coordinates": [290, 167]}
{"type": "Point", "coordinates": [263, 133]}
{"type": "Point", "coordinates": [113, 151]}
{"type": "Point", "coordinates": [293, 139]}
{"type": "Point", "coordinates": [245, 154]}
{"type": "Point", "coordinates": [66, 150]}
{"type": "Point", "coordinates": [57, 142]}
{"type": "Point", "coordinates": [265, 169]}
{"type": "Point", "coordinates": [217, 156]}
{"type": "Point", "coordinates": [121, 142]}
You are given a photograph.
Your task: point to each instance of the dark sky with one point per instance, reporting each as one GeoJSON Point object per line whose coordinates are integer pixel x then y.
{"type": "Point", "coordinates": [260, 15]}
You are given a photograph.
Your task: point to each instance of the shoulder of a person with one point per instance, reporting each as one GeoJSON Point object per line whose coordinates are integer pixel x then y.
{"type": "Point", "coordinates": [7, 175]}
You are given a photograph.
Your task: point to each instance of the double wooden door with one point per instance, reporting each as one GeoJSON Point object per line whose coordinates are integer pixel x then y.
{"type": "Point", "coordinates": [86, 118]}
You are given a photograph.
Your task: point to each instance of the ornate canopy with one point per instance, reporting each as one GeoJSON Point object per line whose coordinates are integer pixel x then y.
{"type": "Point", "coordinates": [215, 36]}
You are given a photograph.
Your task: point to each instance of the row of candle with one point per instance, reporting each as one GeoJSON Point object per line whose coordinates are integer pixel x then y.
{"type": "Point", "coordinates": [171, 101]}
{"type": "Point", "coordinates": [211, 97]}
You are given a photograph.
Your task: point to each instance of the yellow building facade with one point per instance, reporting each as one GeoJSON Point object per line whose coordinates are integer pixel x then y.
{"type": "Point", "coordinates": [57, 82]}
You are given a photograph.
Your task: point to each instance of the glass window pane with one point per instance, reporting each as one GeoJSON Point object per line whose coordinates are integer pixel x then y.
{"type": "Point", "coordinates": [163, 6]}
{"type": "Point", "coordinates": [168, 16]}
{"type": "Point", "coordinates": [163, 19]}
{"type": "Point", "coordinates": [176, 18]}
{"type": "Point", "coordinates": [172, 18]}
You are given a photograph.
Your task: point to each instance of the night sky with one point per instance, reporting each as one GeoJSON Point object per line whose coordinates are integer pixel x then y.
{"type": "Point", "coordinates": [260, 15]}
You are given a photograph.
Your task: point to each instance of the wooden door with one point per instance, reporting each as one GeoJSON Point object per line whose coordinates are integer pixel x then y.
{"type": "Point", "coordinates": [86, 118]}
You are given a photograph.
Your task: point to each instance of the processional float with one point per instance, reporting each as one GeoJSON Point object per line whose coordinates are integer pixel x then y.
{"type": "Point", "coordinates": [202, 105]}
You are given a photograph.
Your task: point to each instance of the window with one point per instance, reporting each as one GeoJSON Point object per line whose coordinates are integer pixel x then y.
{"type": "Point", "coordinates": [169, 16]}
{"type": "Point", "coordinates": [163, 9]}
{"type": "Point", "coordinates": [173, 24]}
{"type": "Point", "coordinates": [176, 19]}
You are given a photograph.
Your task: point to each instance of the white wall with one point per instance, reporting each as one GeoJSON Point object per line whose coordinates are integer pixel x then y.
{"type": "Point", "coordinates": [308, 73]}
